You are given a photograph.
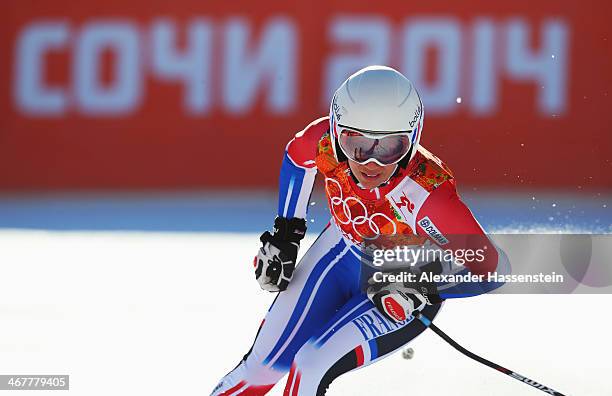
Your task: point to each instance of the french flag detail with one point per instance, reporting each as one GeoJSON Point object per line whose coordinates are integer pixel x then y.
{"type": "Point", "coordinates": [293, 382]}
{"type": "Point", "coordinates": [298, 170]}
{"type": "Point", "coordinates": [298, 155]}
{"type": "Point", "coordinates": [235, 389]}
{"type": "Point", "coordinates": [417, 132]}
{"type": "Point", "coordinates": [295, 186]}
{"type": "Point", "coordinates": [243, 389]}
{"type": "Point", "coordinates": [302, 149]}
{"type": "Point", "coordinates": [359, 355]}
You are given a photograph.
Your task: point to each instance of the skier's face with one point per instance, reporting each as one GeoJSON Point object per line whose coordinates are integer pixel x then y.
{"type": "Point", "coordinates": [371, 175]}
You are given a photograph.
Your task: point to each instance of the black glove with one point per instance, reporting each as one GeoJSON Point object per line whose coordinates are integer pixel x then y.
{"type": "Point", "coordinates": [275, 261]}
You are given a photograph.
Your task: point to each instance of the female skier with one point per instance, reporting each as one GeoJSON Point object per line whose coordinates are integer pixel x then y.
{"type": "Point", "coordinates": [381, 186]}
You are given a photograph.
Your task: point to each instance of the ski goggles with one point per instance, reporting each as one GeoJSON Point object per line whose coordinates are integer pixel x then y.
{"type": "Point", "coordinates": [363, 147]}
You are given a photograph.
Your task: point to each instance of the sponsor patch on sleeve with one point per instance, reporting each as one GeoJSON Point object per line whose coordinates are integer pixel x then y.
{"type": "Point", "coordinates": [430, 228]}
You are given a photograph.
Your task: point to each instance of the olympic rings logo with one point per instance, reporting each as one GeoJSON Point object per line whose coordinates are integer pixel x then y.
{"type": "Point", "coordinates": [340, 202]}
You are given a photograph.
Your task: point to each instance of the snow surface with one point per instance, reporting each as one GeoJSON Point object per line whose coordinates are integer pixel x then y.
{"type": "Point", "coordinates": [131, 313]}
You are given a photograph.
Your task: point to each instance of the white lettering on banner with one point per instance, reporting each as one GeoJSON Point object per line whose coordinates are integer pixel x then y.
{"type": "Point", "coordinates": [30, 92]}
{"type": "Point", "coordinates": [190, 66]}
{"type": "Point", "coordinates": [266, 68]}
{"type": "Point", "coordinates": [443, 34]}
{"type": "Point", "coordinates": [548, 68]}
{"type": "Point", "coordinates": [451, 39]}
{"type": "Point", "coordinates": [273, 63]}
{"type": "Point", "coordinates": [484, 70]}
{"type": "Point", "coordinates": [371, 33]}
{"type": "Point", "coordinates": [123, 95]}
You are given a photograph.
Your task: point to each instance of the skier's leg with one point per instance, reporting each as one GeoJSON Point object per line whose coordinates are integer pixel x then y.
{"type": "Point", "coordinates": [357, 336]}
{"type": "Point", "coordinates": [322, 283]}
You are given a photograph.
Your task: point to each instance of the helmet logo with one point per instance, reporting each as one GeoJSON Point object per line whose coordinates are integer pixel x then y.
{"type": "Point", "coordinates": [336, 109]}
{"type": "Point", "coordinates": [417, 115]}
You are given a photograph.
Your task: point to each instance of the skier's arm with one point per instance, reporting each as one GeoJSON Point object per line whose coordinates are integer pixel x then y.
{"type": "Point", "coordinates": [276, 259]}
{"type": "Point", "coordinates": [298, 171]}
{"type": "Point", "coordinates": [448, 222]}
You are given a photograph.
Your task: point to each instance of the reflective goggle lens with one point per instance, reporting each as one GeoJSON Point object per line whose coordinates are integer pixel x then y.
{"type": "Point", "coordinates": [386, 150]}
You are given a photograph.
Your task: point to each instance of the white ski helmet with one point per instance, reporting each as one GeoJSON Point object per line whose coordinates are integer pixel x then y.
{"type": "Point", "coordinates": [378, 101]}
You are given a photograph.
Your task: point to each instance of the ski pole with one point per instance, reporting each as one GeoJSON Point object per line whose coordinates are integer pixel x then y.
{"type": "Point", "coordinates": [484, 361]}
